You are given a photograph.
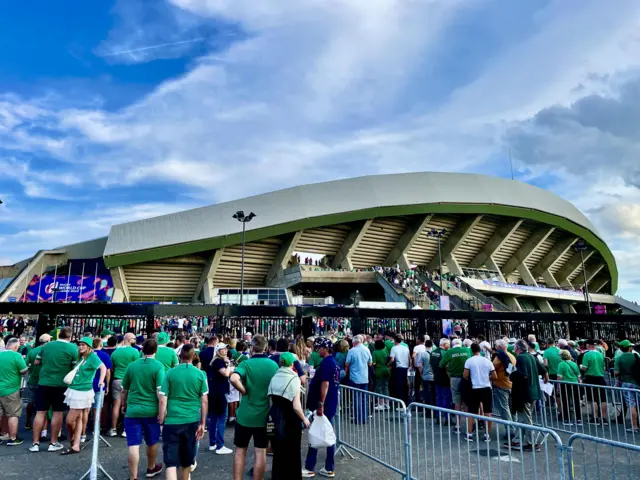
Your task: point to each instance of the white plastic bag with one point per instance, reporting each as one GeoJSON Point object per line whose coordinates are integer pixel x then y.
{"type": "Point", "coordinates": [321, 434]}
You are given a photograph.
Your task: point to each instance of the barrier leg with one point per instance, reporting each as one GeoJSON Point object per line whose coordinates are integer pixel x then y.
{"type": "Point", "coordinates": [92, 473]}
{"type": "Point", "coordinates": [342, 450]}
{"type": "Point", "coordinates": [406, 416]}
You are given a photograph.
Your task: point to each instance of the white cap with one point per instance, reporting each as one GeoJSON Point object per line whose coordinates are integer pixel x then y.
{"type": "Point", "coordinates": [512, 340]}
{"type": "Point", "coordinates": [562, 342]}
{"type": "Point", "coordinates": [220, 346]}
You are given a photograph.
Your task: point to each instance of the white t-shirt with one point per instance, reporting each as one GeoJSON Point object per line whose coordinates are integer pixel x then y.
{"type": "Point", "coordinates": [181, 323]}
{"type": "Point", "coordinates": [480, 369]}
{"type": "Point", "coordinates": [418, 349]}
{"type": "Point", "coordinates": [401, 355]}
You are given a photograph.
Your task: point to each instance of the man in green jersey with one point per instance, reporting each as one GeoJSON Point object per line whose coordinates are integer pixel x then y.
{"type": "Point", "coordinates": [453, 360]}
{"type": "Point", "coordinates": [624, 367]}
{"type": "Point", "coordinates": [251, 378]}
{"type": "Point", "coordinates": [12, 368]}
{"type": "Point", "coordinates": [551, 359]}
{"type": "Point", "coordinates": [140, 403]}
{"type": "Point", "coordinates": [34, 376]}
{"type": "Point", "coordinates": [166, 356]}
{"type": "Point", "coordinates": [593, 367]}
{"type": "Point", "coordinates": [121, 359]}
{"type": "Point", "coordinates": [56, 359]}
{"type": "Point", "coordinates": [183, 410]}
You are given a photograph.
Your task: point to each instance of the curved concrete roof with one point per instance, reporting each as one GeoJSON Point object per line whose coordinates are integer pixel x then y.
{"type": "Point", "coordinates": [341, 201]}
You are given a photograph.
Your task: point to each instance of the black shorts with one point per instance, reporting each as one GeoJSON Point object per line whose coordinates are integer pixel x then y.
{"type": "Point", "coordinates": [179, 444]}
{"type": "Point", "coordinates": [595, 395]}
{"type": "Point", "coordinates": [50, 398]}
{"type": "Point", "coordinates": [242, 436]}
{"type": "Point", "coordinates": [481, 396]}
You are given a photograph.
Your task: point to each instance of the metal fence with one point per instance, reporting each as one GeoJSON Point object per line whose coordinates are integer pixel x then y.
{"type": "Point", "coordinates": [418, 442]}
{"type": "Point", "coordinates": [595, 410]}
{"type": "Point", "coordinates": [80, 324]}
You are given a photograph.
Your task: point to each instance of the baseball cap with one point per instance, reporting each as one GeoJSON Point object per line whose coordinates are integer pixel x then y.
{"type": "Point", "coordinates": [220, 346]}
{"type": "Point", "coordinates": [625, 344]}
{"type": "Point", "coordinates": [287, 359]}
{"type": "Point", "coordinates": [163, 338]}
{"type": "Point", "coordinates": [322, 342]}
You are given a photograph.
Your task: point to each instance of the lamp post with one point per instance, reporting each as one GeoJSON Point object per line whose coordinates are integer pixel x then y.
{"type": "Point", "coordinates": [581, 247]}
{"type": "Point", "coordinates": [244, 219]}
{"type": "Point", "coordinates": [439, 234]}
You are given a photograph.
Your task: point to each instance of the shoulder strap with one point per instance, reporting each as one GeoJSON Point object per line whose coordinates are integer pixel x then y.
{"type": "Point", "coordinates": [287, 385]}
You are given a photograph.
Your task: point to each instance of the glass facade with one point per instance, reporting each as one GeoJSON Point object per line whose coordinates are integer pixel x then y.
{"type": "Point", "coordinates": [252, 296]}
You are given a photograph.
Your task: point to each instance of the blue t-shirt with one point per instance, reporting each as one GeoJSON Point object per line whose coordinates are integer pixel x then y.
{"type": "Point", "coordinates": [327, 371]}
{"type": "Point", "coordinates": [106, 359]}
{"type": "Point", "coordinates": [358, 359]}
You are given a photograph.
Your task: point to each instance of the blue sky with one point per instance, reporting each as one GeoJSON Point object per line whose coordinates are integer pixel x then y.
{"type": "Point", "coordinates": [112, 111]}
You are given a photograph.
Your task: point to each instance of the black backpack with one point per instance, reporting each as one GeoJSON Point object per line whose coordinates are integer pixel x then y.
{"type": "Point", "coordinates": [635, 370]}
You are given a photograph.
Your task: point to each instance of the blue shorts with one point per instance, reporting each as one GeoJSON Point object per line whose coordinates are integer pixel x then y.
{"type": "Point", "coordinates": [137, 428]}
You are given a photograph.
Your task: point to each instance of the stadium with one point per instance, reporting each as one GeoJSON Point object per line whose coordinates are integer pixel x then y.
{"type": "Point", "coordinates": [509, 246]}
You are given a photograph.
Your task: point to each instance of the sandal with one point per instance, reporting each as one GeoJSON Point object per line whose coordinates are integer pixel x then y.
{"type": "Point", "coordinates": [70, 451]}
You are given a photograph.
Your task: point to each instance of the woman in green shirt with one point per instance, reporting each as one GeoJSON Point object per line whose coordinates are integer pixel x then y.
{"type": "Point", "coordinates": [569, 372]}
{"type": "Point", "coordinates": [380, 361]}
{"type": "Point", "coordinates": [80, 395]}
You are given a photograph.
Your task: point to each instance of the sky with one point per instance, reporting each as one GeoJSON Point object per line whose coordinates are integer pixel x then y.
{"type": "Point", "coordinates": [112, 111]}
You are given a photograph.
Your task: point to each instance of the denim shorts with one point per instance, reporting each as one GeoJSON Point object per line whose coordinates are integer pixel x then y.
{"type": "Point", "coordinates": [139, 428]}
{"type": "Point", "coordinates": [632, 395]}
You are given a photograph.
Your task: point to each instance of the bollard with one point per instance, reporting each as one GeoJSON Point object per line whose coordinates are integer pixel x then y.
{"type": "Point", "coordinates": [92, 473]}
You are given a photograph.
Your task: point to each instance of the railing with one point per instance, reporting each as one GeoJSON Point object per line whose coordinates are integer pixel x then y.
{"type": "Point", "coordinates": [497, 304]}
{"type": "Point", "coordinates": [418, 443]}
{"type": "Point", "coordinates": [457, 302]}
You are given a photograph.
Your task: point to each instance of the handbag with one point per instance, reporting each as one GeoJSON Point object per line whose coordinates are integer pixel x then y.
{"type": "Point", "coordinates": [69, 377]}
{"type": "Point", "coordinates": [275, 420]}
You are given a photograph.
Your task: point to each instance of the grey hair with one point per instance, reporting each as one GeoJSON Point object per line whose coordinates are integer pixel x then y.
{"type": "Point", "coordinates": [522, 346]}
{"type": "Point", "coordinates": [456, 342]}
{"type": "Point", "coordinates": [358, 339]}
{"type": "Point", "coordinates": [12, 342]}
{"type": "Point", "coordinates": [467, 342]}
{"type": "Point", "coordinates": [444, 341]}
{"type": "Point", "coordinates": [500, 343]}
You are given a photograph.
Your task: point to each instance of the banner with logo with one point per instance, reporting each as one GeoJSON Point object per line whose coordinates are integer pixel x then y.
{"type": "Point", "coordinates": [74, 288]}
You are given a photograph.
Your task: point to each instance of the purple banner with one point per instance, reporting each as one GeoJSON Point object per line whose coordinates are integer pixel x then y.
{"type": "Point", "coordinates": [77, 288]}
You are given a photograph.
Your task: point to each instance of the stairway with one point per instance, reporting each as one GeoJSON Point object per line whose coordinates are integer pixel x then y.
{"type": "Point", "coordinates": [393, 294]}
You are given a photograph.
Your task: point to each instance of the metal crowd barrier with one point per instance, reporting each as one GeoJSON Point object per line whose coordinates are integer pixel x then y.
{"type": "Point", "coordinates": [418, 443]}
{"type": "Point", "coordinates": [95, 467]}
{"type": "Point", "coordinates": [571, 407]}
{"type": "Point", "coordinates": [381, 435]}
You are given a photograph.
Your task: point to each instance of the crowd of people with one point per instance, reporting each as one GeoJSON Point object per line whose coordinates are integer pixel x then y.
{"type": "Point", "coordinates": [173, 389]}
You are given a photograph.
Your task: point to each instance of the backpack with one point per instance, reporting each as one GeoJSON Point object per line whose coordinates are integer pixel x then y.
{"type": "Point", "coordinates": [275, 421]}
{"type": "Point", "coordinates": [635, 370]}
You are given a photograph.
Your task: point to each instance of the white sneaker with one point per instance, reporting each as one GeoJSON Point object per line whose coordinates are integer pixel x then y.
{"type": "Point", "coordinates": [213, 449]}
{"type": "Point", "coordinates": [34, 448]}
{"type": "Point", "coordinates": [123, 434]}
{"type": "Point", "coordinates": [193, 467]}
{"type": "Point", "coordinates": [83, 438]}
{"type": "Point", "coordinates": [326, 473]}
{"type": "Point", "coordinates": [54, 447]}
{"type": "Point", "coordinates": [307, 474]}
{"type": "Point", "coordinates": [487, 438]}
{"type": "Point", "coordinates": [379, 407]}
{"type": "Point", "coordinates": [5, 437]}
{"type": "Point", "coordinates": [223, 451]}
{"type": "Point", "coordinates": [112, 433]}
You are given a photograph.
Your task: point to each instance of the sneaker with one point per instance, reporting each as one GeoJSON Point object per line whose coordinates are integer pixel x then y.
{"type": "Point", "coordinates": [213, 449]}
{"type": "Point", "coordinates": [152, 472]}
{"type": "Point", "coordinates": [605, 422]}
{"type": "Point", "coordinates": [387, 406]}
{"type": "Point", "coordinates": [487, 438]}
{"type": "Point", "coordinates": [567, 424]}
{"type": "Point", "coordinates": [112, 433]}
{"type": "Point", "coordinates": [307, 474]}
{"type": "Point", "coordinates": [193, 467]}
{"type": "Point", "coordinates": [83, 438]}
{"type": "Point", "coordinates": [123, 434]}
{"type": "Point", "coordinates": [633, 430]}
{"type": "Point", "coordinates": [579, 423]}
{"type": "Point", "coordinates": [224, 451]}
{"type": "Point", "coordinates": [35, 447]}
{"type": "Point", "coordinates": [378, 408]}
{"type": "Point", "coordinates": [456, 430]}
{"type": "Point", "coordinates": [54, 447]}
{"type": "Point", "coordinates": [469, 437]}
{"type": "Point", "coordinates": [14, 442]}
{"type": "Point", "coordinates": [5, 437]}
{"type": "Point", "coordinates": [326, 473]}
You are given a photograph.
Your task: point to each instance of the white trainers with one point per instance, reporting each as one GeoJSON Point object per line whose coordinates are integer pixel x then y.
{"type": "Point", "coordinates": [112, 433]}
{"type": "Point", "coordinates": [307, 473]}
{"type": "Point", "coordinates": [83, 438]}
{"type": "Point", "coordinates": [213, 449]}
{"type": "Point", "coordinates": [5, 437]}
{"type": "Point", "coordinates": [54, 447]}
{"type": "Point", "coordinates": [223, 451]}
{"type": "Point", "coordinates": [379, 408]}
{"type": "Point", "coordinates": [123, 434]}
{"type": "Point", "coordinates": [34, 448]}
{"type": "Point", "coordinates": [326, 473]}
{"type": "Point", "coordinates": [193, 467]}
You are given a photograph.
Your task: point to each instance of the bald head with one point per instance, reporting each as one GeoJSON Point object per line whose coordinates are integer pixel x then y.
{"type": "Point", "coordinates": [129, 339]}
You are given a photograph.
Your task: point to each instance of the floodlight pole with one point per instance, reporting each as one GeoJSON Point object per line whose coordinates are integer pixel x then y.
{"type": "Point", "coordinates": [586, 287]}
{"type": "Point", "coordinates": [440, 267]}
{"type": "Point", "coordinates": [244, 228]}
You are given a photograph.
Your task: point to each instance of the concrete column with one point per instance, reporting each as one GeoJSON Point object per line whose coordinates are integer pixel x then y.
{"type": "Point", "coordinates": [208, 272]}
{"type": "Point", "coordinates": [571, 266]}
{"type": "Point", "coordinates": [121, 290]}
{"type": "Point", "coordinates": [512, 303]}
{"type": "Point", "coordinates": [492, 265]}
{"type": "Point", "coordinates": [568, 308]}
{"type": "Point", "coordinates": [398, 254]}
{"type": "Point", "coordinates": [559, 249]}
{"type": "Point", "coordinates": [457, 238]}
{"type": "Point", "coordinates": [544, 305]}
{"type": "Point", "coordinates": [550, 279]}
{"type": "Point", "coordinates": [526, 275]}
{"type": "Point", "coordinates": [599, 284]}
{"type": "Point", "coordinates": [283, 256]}
{"type": "Point", "coordinates": [592, 271]}
{"type": "Point", "coordinates": [495, 243]}
{"type": "Point", "coordinates": [527, 249]}
{"type": "Point", "coordinates": [355, 236]}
